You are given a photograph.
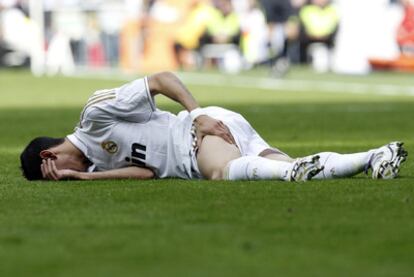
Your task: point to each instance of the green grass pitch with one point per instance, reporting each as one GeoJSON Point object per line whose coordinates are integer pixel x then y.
{"type": "Point", "coordinates": [351, 227]}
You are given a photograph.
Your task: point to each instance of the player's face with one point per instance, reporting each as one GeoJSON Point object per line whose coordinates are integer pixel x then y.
{"type": "Point", "coordinates": [61, 162]}
{"type": "Point", "coordinates": [64, 161]}
{"type": "Point", "coordinates": [69, 162]}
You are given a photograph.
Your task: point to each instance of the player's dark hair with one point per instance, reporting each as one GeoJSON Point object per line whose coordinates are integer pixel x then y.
{"type": "Point", "coordinates": [30, 159]}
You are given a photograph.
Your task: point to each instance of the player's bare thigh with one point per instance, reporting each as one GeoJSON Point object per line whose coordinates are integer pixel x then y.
{"type": "Point", "coordinates": [213, 156]}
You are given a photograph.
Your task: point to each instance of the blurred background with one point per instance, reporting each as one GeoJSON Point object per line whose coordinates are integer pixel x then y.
{"type": "Point", "coordinates": [136, 36]}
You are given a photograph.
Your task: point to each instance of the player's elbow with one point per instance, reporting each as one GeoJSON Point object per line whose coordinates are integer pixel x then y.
{"type": "Point", "coordinates": [165, 75]}
{"type": "Point", "coordinates": [149, 174]}
{"type": "Point", "coordinates": [158, 81]}
{"type": "Point", "coordinates": [143, 174]}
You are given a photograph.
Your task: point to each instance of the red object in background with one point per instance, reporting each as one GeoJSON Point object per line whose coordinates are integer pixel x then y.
{"type": "Point", "coordinates": [96, 55]}
{"type": "Point", "coordinates": [404, 63]}
{"type": "Point", "coordinates": [405, 34]}
{"type": "Point", "coordinates": [405, 39]}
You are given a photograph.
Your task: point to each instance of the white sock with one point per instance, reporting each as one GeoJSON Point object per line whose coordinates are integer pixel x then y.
{"type": "Point", "coordinates": [342, 165]}
{"type": "Point", "coordinates": [257, 168]}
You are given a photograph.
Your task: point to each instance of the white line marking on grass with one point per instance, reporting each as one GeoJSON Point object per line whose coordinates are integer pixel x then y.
{"type": "Point", "coordinates": [296, 85]}
{"type": "Point", "coordinates": [249, 82]}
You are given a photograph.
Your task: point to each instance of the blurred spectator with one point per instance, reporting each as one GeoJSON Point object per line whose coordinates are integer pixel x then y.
{"type": "Point", "coordinates": [277, 14]}
{"type": "Point", "coordinates": [223, 25]}
{"type": "Point", "coordinates": [17, 34]}
{"type": "Point", "coordinates": [254, 34]}
{"type": "Point", "coordinates": [166, 11]}
{"type": "Point", "coordinates": [292, 31]}
{"type": "Point", "coordinates": [290, 50]}
{"type": "Point", "coordinates": [111, 20]}
{"type": "Point", "coordinates": [96, 55]}
{"type": "Point", "coordinates": [160, 25]}
{"type": "Point", "coordinates": [241, 6]}
{"type": "Point", "coordinates": [319, 24]}
{"type": "Point", "coordinates": [131, 36]}
{"type": "Point", "coordinates": [209, 32]}
{"type": "Point", "coordinates": [405, 33]}
{"type": "Point", "coordinates": [68, 22]}
{"type": "Point", "coordinates": [191, 31]}
{"type": "Point", "coordinates": [221, 41]}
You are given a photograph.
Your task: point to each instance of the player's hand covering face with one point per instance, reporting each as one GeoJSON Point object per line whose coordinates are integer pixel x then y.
{"type": "Point", "coordinates": [206, 125]}
{"type": "Point", "coordinates": [51, 172]}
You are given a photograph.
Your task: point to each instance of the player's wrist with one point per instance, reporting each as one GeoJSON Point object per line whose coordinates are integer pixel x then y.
{"type": "Point", "coordinates": [82, 176]}
{"type": "Point", "coordinates": [197, 112]}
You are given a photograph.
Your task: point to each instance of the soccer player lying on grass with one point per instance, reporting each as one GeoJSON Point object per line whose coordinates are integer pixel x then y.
{"type": "Point", "coordinates": [122, 135]}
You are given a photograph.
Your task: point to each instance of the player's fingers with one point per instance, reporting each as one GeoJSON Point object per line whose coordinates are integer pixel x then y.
{"type": "Point", "coordinates": [50, 168]}
{"type": "Point", "coordinates": [231, 138]}
{"type": "Point", "coordinates": [228, 138]}
{"type": "Point", "coordinates": [42, 169]}
{"type": "Point", "coordinates": [55, 170]}
{"type": "Point", "coordinates": [199, 136]}
{"type": "Point", "coordinates": [223, 135]}
{"type": "Point", "coordinates": [233, 141]}
{"type": "Point", "coordinates": [226, 135]}
{"type": "Point", "coordinates": [46, 170]}
{"type": "Point", "coordinates": [224, 127]}
{"type": "Point", "coordinates": [221, 123]}
{"type": "Point", "coordinates": [226, 130]}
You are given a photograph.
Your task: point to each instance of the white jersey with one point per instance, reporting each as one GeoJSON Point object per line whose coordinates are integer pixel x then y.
{"type": "Point", "coordinates": [122, 127]}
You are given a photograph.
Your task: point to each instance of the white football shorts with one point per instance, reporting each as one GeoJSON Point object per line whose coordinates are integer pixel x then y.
{"type": "Point", "coordinates": [249, 142]}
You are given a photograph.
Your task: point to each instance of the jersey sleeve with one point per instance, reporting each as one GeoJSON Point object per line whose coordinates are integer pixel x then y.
{"type": "Point", "coordinates": [132, 102]}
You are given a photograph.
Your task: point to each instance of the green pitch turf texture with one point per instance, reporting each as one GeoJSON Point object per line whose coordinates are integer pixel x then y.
{"type": "Point", "coordinates": [351, 227]}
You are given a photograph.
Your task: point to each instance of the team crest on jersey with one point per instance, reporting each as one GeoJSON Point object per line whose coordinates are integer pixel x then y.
{"type": "Point", "coordinates": [110, 147]}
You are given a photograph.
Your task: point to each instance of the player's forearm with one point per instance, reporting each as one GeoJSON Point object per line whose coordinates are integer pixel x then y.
{"type": "Point", "coordinates": [121, 173]}
{"type": "Point", "coordinates": [168, 84]}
